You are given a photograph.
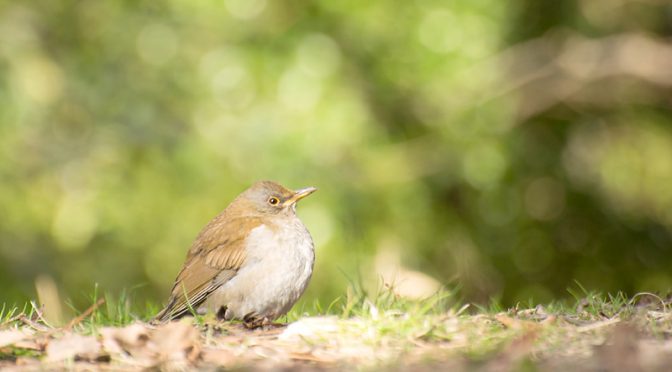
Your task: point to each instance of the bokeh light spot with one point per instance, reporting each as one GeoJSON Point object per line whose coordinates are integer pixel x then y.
{"type": "Point", "coordinates": [544, 198]}
{"type": "Point", "coordinates": [75, 221]}
{"type": "Point", "coordinates": [245, 9]}
{"type": "Point", "coordinates": [298, 91]}
{"type": "Point", "coordinates": [39, 78]}
{"type": "Point", "coordinates": [157, 44]}
{"type": "Point", "coordinates": [440, 31]}
{"type": "Point", "coordinates": [318, 55]}
{"type": "Point", "coordinates": [484, 164]}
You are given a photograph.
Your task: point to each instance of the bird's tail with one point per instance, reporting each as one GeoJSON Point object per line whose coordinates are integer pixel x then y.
{"type": "Point", "coordinates": [166, 314]}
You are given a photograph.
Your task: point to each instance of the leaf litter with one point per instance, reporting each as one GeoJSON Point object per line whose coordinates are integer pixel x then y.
{"type": "Point", "coordinates": [594, 336]}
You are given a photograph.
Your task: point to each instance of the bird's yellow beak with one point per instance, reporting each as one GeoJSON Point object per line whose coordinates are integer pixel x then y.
{"type": "Point", "coordinates": [300, 194]}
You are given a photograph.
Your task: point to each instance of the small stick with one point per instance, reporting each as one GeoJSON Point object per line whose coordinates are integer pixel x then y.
{"type": "Point", "coordinates": [31, 323]}
{"type": "Point", "coordinates": [11, 320]}
{"type": "Point", "coordinates": [38, 312]}
{"type": "Point", "coordinates": [85, 314]}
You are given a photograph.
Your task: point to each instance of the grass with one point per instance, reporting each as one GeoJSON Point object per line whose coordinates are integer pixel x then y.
{"type": "Point", "coordinates": [378, 330]}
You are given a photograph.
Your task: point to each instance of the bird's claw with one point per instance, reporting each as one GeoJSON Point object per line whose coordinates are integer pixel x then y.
{"type": "Point", "coordinates": [264, 323]}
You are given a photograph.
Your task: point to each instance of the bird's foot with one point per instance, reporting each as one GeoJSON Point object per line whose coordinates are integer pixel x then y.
{"type": "Point", "coordinates": [254, 323]}
{"type": "Point", "coordinates": [263, 323]}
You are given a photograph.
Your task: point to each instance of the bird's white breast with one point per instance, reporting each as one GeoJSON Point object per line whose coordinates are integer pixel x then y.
{"type": "Point", "coordinates": [276, 272]}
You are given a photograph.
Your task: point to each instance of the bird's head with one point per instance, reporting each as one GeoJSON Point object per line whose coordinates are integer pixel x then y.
{"type": "Point", "coordinates": [270, 198]}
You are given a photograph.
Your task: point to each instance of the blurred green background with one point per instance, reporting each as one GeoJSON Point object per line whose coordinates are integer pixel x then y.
{"type": "Point", "coordinates": [507, 147]}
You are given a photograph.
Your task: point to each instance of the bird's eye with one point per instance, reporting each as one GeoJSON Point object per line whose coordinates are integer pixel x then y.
{"type": "Point", "coordinates": [273, 200]}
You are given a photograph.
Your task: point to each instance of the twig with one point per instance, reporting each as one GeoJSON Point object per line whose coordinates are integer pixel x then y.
{"type": "Point", "coordinates": [85, 314]}
{"type": "Point", "coordinates": [11, 320]}
{"type": "Point", "coordinates": [31, 323]}
{"type": "Point", "coordinates": [642, 294]}
{"type": "Point", "coordinates": [39, 314]}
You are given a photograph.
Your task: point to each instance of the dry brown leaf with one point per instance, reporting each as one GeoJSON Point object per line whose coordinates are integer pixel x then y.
{"type": "Point", "coordinates": [177, 341]}
{"type": "Point", "coordinates": [74, 346]}
{"type": "Point", "coordinates": [128, 339]}
{"type": "Point", "coordinates": [11, 337]}
{"type": "Point", "coordinates": [38, 344]}
{"type": "Point", "coordinates": [315, 327]}
{"type": "Point", "coordinates": [174, 345]}
{"type": "Point", "coordinates": [220, 357]}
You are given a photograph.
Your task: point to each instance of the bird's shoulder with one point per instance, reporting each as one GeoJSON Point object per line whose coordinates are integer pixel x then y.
{"type": "Point", "coordinates": [222, 242]}
{"type": "Point", "coordinates": [220, 248]}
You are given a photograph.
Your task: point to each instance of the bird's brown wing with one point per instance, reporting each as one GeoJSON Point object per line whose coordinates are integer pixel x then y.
{"type": "Point", "coordinates": [214, 258]}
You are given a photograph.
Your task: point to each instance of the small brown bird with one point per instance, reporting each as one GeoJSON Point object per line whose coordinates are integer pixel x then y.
{"type": "Point", "coordinates": [252, 262]}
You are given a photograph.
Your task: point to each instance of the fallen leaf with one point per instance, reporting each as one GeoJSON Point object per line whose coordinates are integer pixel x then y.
{"type": "Point", "coordinates": [11, 337]}
{"type": "Point", "coordinates": [175, 344]}
{"type": "Point", "coordinates": [74, 346]}
{"type": "Point", "coordinates": [127, 339]}
{"type": "Point", "coordinates": [219, 357]}
{"type": "Point", "coordinates": [177, 341]}
{"type": "Point", "coordinates": [32, 344]}
{"type": "Point", "coordinates": [310, 328]}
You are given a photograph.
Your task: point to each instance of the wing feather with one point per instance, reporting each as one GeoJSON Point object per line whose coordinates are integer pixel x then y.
{"type": "Point", "coordinates": [218, 249]}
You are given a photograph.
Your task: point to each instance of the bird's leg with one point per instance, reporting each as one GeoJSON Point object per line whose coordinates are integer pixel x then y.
{"type": "Point", "coordinates": [250, 321]}
{"type": "Point", "coordinates": [265, 323]}
{"type": "Point", "coordinates": [221, 313]}
{"type": "Point", "coordinates": [253, 323]}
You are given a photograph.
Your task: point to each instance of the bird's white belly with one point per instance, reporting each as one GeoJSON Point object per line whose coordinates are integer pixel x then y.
{"type": "Point", "coordinates": [276, 272]}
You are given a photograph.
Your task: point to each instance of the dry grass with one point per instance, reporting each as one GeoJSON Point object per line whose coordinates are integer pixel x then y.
{"type": "Point", "coordinates": [363, 332]}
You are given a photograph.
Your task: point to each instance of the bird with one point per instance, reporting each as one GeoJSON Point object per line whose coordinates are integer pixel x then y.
{"type": "Point", "coordinates": [251, 262]}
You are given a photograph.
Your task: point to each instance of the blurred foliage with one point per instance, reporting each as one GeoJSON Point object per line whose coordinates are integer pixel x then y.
{"type": "Point", "coordinates": [509, 147]}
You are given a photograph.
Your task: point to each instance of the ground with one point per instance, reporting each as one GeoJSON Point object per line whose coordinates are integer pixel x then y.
{"type": "Point", "coordinates": [596, 333]}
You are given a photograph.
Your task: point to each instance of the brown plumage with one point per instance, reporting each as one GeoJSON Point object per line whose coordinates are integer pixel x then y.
{"type": "Point", "coordinates": [221, 250]}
